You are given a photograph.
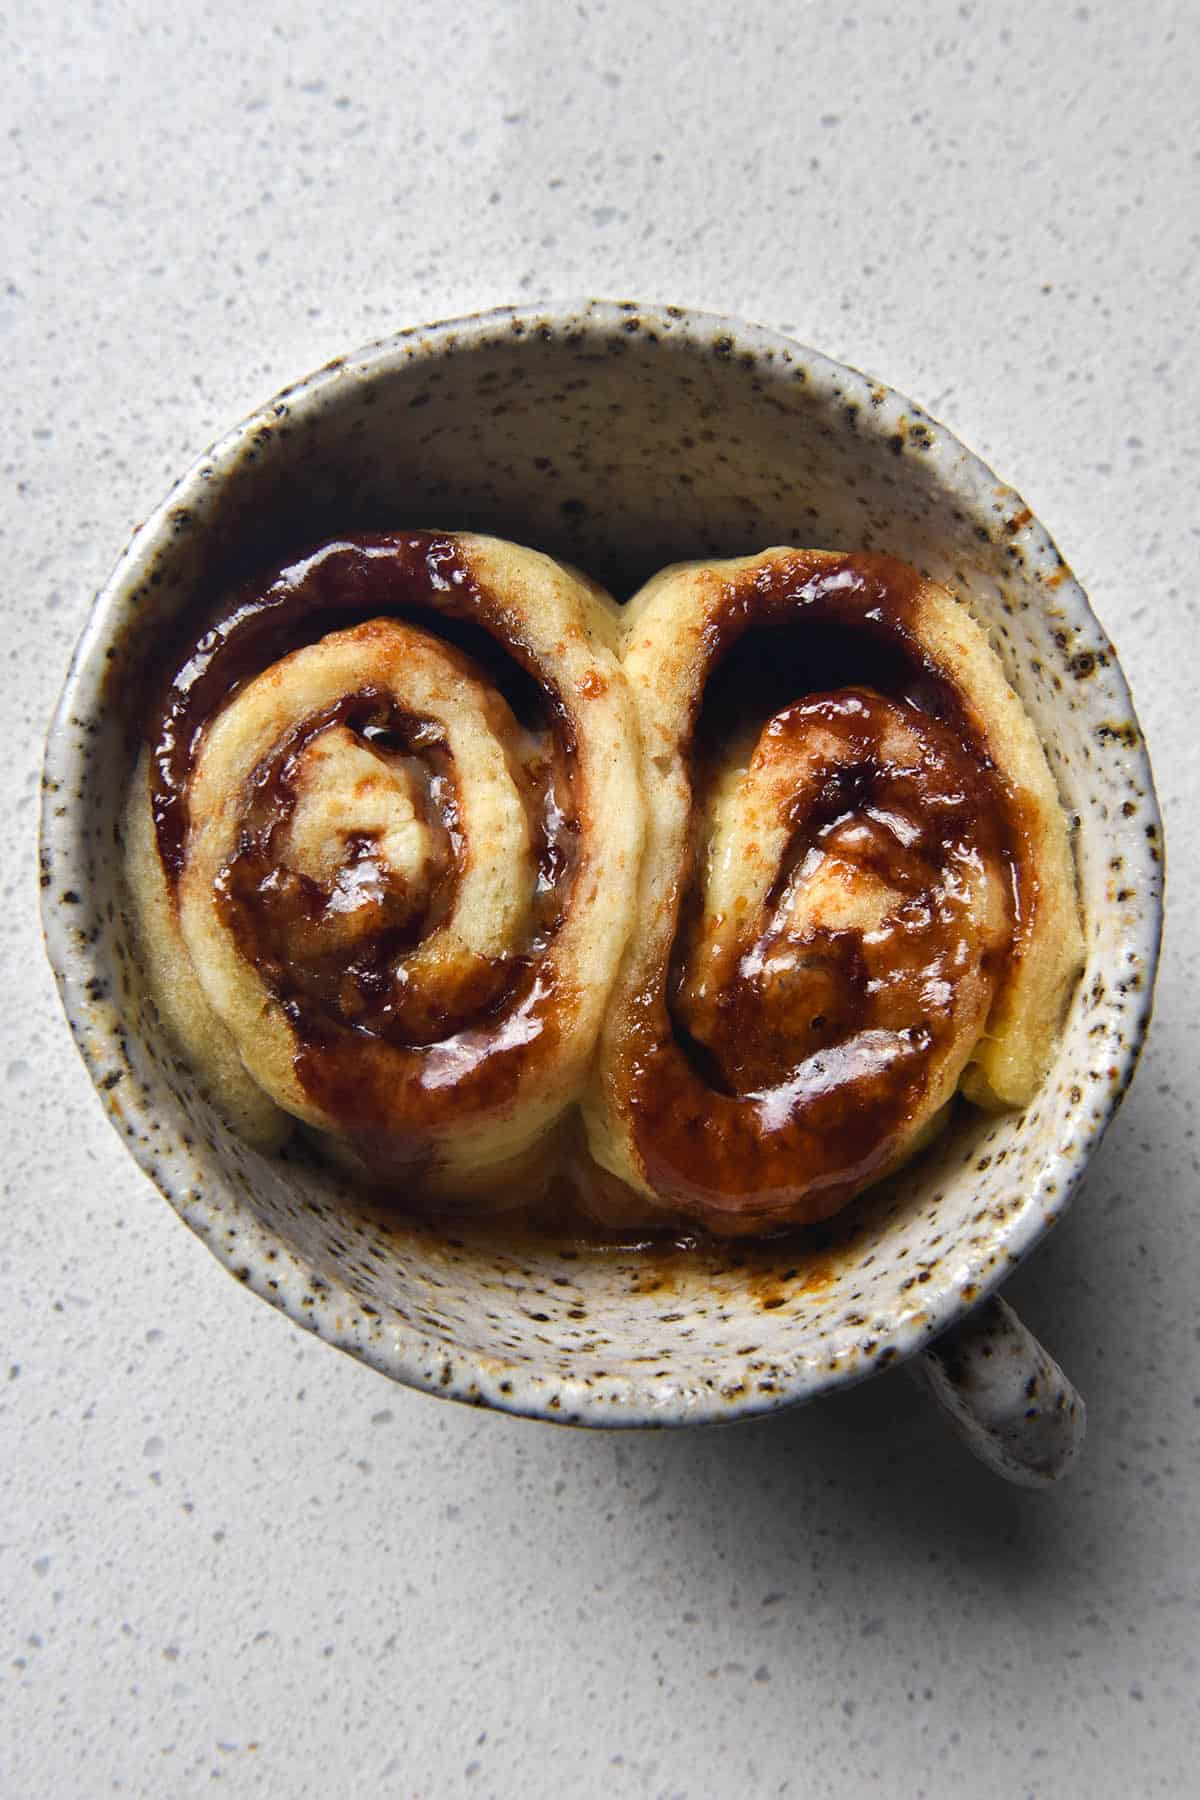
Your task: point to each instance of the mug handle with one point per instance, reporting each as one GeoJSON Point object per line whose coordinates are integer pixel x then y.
{"type": "Point", "coordinates": [1005, 1396]}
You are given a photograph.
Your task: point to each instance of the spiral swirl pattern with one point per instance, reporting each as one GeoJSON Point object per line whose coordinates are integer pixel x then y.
{"type": "Point", "coordinates": [856, 892]}
{"type": "Point", "coordinates": [403, 851]}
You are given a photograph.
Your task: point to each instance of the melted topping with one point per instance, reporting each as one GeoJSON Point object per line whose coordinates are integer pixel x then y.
{"type": "Point", "coordinates": [789, 1041]}
{"type": "Point", "coordinates": [330, 944]}
{"type": "Point", "coordinates": [328, 950]}
{"type": "Point", "coordinates": [416, 575]}
{"type": "Point", "coordinates": [774, 1066]}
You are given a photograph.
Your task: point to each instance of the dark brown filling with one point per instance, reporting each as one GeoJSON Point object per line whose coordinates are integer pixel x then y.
{"type": "Point", "coordinates": [416, 575]}
{"type": "Point", "coordinates": [789, 1093]}
{"type": "Point", "coordinates": [788, 1090]}
{"type": "Point", "coordinates": [336, 968]}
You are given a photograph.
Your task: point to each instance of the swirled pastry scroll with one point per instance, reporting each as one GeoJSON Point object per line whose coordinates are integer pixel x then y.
{"type": "Point", "coordinates": [384, 848]}
{"type": "Point", "coordinates": [857, 894]}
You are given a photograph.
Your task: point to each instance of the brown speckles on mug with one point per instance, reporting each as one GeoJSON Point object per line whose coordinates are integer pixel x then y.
{"type": "Point", "coordinates": [569, 430]}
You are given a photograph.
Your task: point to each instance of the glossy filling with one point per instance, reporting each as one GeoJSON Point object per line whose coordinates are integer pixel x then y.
{"type": "Point", "coordinates": [334, 944]}
{"type": "Point", "coordinates": [851, 895]}
{"type": "Point", "coordinates": [855, 884]}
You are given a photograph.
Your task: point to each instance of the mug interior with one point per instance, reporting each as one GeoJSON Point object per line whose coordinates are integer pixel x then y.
{"type": "Point", "coordinates": [620, 439]}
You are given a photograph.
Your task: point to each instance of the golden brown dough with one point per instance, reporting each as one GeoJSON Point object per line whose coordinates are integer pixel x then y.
{"type": "Point", "coordinates": [856, 895]}
{"type": "Point", "coordinates": [401, 904]}
{"type": "Point", "coordinates": [386, 855]}
{"type": "Point", "coordinates": [190, 1023]}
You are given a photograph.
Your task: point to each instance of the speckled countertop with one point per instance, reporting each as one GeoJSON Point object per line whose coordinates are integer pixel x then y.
{"type": "Point", "coordinates": [231, 1555]}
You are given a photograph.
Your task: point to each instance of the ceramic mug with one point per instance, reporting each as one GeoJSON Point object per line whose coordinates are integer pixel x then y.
{"type": "Point", "coordinates": [622, 437]}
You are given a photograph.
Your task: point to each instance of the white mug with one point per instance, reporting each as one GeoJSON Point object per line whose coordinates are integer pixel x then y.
{"type": "Point", "coordinates": [620, 438]}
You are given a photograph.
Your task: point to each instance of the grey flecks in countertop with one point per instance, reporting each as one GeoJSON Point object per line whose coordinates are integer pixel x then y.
{"type": "Point", "coordinates": [230, 1555]}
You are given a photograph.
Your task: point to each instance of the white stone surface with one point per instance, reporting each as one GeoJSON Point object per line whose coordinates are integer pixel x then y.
{"type": "Point", "coordinates": [228, 1554]}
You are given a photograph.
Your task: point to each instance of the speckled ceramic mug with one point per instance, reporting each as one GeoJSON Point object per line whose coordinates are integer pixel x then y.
{"type": "Point", "coordinates": [621, 438]}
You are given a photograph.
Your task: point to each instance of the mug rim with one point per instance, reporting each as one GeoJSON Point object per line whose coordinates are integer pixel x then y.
{"type": "Point", "coordinates": [400, 1350]}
